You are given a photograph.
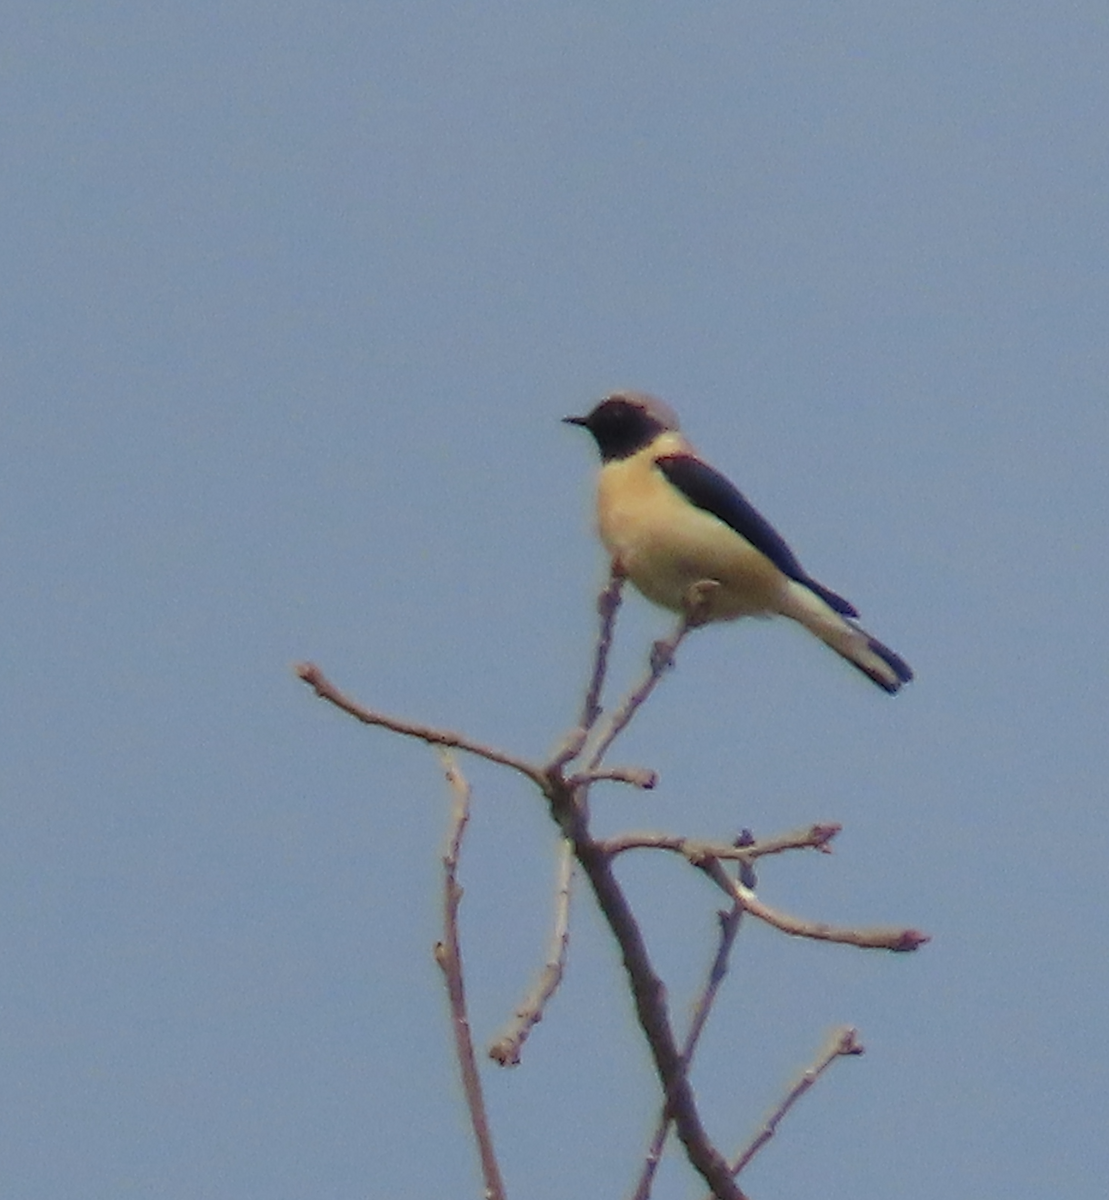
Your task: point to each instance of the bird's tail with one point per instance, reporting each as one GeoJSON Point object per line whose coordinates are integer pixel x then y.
{"type": "Point", "coordinates": [877, 662]}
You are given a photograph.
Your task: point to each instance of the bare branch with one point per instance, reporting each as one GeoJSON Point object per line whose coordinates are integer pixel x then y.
{"type": "Point", "coordinates": [640, 777]}
{"type": "Point", "coordinates": [729, 927]}
{"type": "Point", "coordinates": [568, 800]}
{"type": "Point", "coordinates": [876, 938]}
{"type": "Point", "coordinates": [448, 954]}
{"type": "Point", "coordinates": [314, 677]}
{"type": "Point", "coordinates": [608, 603]}
{"type": "Point", "coordinates": [506, 1049]}
{"type": "Point", "coordinates": [814, 837]}
{"type": "Point", "coordinates": [841, 1043]}
{"type": "Point", "coordinates": [649, 995]}
{"type": "Point", "coordinates": [662, 657]}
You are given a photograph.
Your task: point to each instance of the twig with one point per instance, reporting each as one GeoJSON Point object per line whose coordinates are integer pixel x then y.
{"type": "Point", "coordinates": [729, 927]}
{"type": "Point", "coordinates": [640, 777]}
{"type": "Point", "coordinates": [448, 955]}
{"type": "Point", "coordinates": [815, 837]}
{"type": "Point", "coordinates": [506, 1049]}
{"type": "Point", "coordinates": [841, 1043]}
{"type": "Point", "coordinates": [876, 938]}
{"type": "Point", "coordinates": [649, 995]}
{"type": "Point", "coordinates": [314, 677]}
{"type": "Point", "coordinates": [662, 657]}
{"type": "Point", "coordinates": [608, 603]}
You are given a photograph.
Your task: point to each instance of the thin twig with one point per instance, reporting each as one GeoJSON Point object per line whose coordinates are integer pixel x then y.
{"type": "Point", "coordinates": [640, 777]}
{"type": "Point", "coordinates": [662, 657]}
{"type": "Point", "coordinates": [841, 1043]}
{"type": "Point", "coordinates": [448, 954]}
{"type": "Point", "coordinates": [815, 837]}
{"type": "Point", "coordinates": [608, 603]}
{"type": "Point", "coordinates": [314, 677]}
{"type": "Point", "coordinates": [876, 938]}
{"type": "Point", "coordinates": [729, 927]}
{"type": "Point", "coordinates": [506, 1049]}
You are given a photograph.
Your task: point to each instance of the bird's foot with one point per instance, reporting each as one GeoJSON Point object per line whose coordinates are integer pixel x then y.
{"type": "Point", "coordinates": [698, 602]}
{"type": "Point", "coordinates": [662, 656]}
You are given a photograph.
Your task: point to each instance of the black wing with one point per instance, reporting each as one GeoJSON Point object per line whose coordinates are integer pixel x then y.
{"type": "Point", "coordinates": [708, 489]}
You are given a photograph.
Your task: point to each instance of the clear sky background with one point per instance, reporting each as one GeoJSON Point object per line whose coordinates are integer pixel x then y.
{"type": "Point", "coordinates": [293, 298]}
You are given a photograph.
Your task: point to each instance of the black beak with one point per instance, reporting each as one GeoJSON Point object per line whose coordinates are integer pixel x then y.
{"type": "Point", "coordinates": [576, 421]}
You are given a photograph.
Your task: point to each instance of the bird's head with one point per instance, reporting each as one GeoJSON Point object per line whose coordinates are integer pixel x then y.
{"type": "Point", "coordinates": [625, 422]}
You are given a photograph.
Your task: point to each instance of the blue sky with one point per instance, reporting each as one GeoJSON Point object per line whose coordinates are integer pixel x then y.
{"type": "Point", "coordinates": [294, 298]}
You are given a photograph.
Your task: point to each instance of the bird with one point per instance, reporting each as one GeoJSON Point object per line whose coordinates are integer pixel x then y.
{"type": "Point", "coordinates": [691, 542]}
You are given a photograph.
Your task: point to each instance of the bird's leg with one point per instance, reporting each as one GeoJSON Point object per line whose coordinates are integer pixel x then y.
{"type": "Point", "coordinates": [698, 602]}
{"type": "Point", "coordinates": [696, 610]}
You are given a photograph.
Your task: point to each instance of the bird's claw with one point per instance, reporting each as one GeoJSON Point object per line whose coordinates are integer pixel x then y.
{"type": "Point", "coordinates": [662, 656]}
